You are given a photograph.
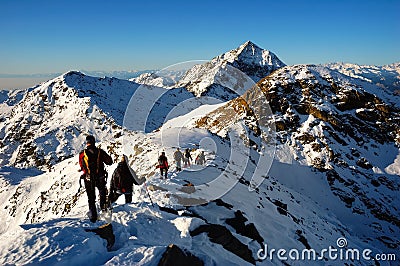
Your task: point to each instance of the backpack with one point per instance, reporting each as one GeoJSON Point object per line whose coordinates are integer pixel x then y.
{"type": "Point", "coordinates": [161, 161]}
{"type": "Point", "coordinates": [122, 178]}
{"type": "Point", "coordinates": [92, 161]}
{"type": "Point", "coordinates": [178, 155]}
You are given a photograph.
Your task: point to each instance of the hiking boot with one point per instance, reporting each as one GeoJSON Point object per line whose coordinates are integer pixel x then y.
{"type": "Point", "coordinates": [92, 216]}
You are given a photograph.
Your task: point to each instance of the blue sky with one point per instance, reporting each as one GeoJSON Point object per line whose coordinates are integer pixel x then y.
{"type": "Point", "coordinates": [56, 36]}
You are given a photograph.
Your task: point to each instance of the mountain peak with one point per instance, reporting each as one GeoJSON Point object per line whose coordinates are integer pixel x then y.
{"type": "Point", "coordinates": [249, 44]}
{"type": "Point", "coordinates": [250, 59]}
{"type": "Point", "coordinates": [248, 48]}
{"type": "Point", "coordinates": [250, 54]}
{"type": "Point", "coordinates": [72, 73]}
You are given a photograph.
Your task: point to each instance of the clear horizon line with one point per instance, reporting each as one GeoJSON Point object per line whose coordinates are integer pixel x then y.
{"type": "Point", "coordinates": [56, 74]}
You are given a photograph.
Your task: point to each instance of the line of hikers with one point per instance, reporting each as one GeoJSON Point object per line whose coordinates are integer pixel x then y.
{"type": "Point", "coordinates": [92, 160]}
{"type": "Point", "coordinates": [179, 157]}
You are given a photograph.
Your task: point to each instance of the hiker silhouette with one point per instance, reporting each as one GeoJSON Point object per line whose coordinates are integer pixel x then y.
{"type": "Point", "coordinates": [122, 182]}
{"type": "Point", "coordinates": [91, 161]}
{"type": "Point", "coordinates": [163, 165]}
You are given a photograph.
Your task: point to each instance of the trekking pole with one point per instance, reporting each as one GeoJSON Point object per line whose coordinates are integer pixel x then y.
{"type": "Point", "coordinates": [148, 194]}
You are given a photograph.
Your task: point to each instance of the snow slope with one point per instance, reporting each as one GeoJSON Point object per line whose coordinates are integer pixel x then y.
{"type": "Point", "coordinates": [46, 124]}
{"type": "Point", "coordinates": [130, 74]}
{"type": "Point", "coordinates": [252, 62]}
{"type": "Point", "coordinates": [335, 173]}
{"type": "Point", "coordinates": [387, 76]}
{"type": "Point", "coordinates": [45, 224]}
{"type": "Point", "coordinates": [163, 78]}
{"type": "Point", "coordinates": [337, 136]}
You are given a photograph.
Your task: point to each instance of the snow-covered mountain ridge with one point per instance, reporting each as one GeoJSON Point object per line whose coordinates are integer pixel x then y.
{"type": "Point", "coordinates": [335, 173]}
{"type": "Point", "coordinates": [206, 79]}
{"type": "Point", "coordinates": [224, 77]}
{"type": "Point", "coordinates": [387, 76]}
{"type": "Point", "coordinates": [48, 123]}
{"type": "Point", "coordinates": [43, 125]}
{"type": "Point", "coordinates": [346, 129]}
{"type": "Point", "coordinates": [161, 78]}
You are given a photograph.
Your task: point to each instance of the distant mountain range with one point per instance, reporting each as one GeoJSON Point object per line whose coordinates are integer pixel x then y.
{"type": "Point", "coordinates": [248, 58]}
{"type": "Point", "coordinates": [116, 74]}
{"type": "Point", "coordinates": [387, 76]}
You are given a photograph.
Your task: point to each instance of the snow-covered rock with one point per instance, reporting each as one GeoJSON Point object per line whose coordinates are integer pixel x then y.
{"type": "Point", "coordinates": [344, 130]}
{"type": "Point", "coordinates": [387, 76]}
{"type": "Point", "coordinates": [48, 123]}
{"type": "Point", "coordinates": [128, 75]}
{"type": "Point", "coordinates": [209, 78]}
{"type": "Point", "coordinates": [163, 78]}
{"type": "Point", "coordinates": [335, 173]}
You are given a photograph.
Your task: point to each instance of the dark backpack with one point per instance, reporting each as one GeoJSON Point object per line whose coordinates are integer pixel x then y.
{"type": "Point", "coordinates": [92, 161]}
{"type": "Point", "coordinates": [163, 161]}
{"type": "Point", "coordinates": [122, 178]}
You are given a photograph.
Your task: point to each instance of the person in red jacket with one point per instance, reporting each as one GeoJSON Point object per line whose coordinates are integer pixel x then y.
{"type": "Point", "coordinates": [163, 165]}
{"type": "Point", "coordinates": [92, 160]}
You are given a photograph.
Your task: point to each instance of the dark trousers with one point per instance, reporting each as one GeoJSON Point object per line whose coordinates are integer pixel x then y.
{"type": "Point", "coordinates": [91, 194]}
{"type": "Point", "coordinates": [114, 196]}
{"type": "Point", "coordinates": [165, 171]}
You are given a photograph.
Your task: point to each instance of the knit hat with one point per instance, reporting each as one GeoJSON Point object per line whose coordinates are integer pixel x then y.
{"type": "Point", "coordinates": [90, 139]}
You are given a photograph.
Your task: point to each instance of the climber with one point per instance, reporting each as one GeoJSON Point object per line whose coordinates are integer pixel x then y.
{"type": "Point", "coordinates": [187, 158]}
{"type": "Point", "coordinates": [163, 165]}
{"type": "Point", "coordinates": [178, 156]}
{"type": "Point", "coordinates": [122, 182]}
{"type": "Point", "coordinates": [91, 161]}
{"type": "Point", "coordinates": [201, 158]}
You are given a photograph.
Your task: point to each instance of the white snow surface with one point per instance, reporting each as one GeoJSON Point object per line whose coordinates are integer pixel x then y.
{"type": "Point", "coordinates": [161, 78]}
{"type": "Point", "coordinates": [44, 216]}
{"type": "Point", "coordinates": [387, 76]}
{"type": "Point", "coordinates": [231, 73]}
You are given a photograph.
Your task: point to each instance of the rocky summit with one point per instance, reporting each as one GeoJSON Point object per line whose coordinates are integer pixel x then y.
{"type": "Point", "coordinates": [330, 181]}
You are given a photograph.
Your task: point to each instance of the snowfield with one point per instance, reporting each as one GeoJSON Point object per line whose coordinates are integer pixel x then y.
{"type": "Point", "coordinates": [333, 176]}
